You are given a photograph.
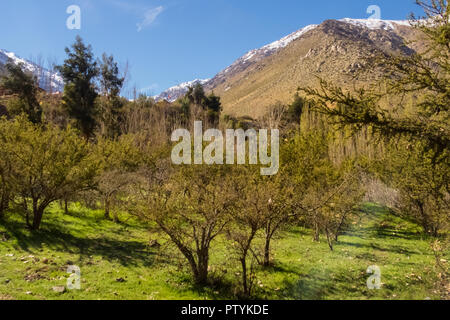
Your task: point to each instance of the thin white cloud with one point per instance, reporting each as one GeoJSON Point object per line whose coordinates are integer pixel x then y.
{"type": "Point", "coordinates": [149, 17]}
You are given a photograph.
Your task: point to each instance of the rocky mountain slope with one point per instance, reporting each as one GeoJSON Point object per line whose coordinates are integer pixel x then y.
{"type": "Point", "coordinates": [335, 50]}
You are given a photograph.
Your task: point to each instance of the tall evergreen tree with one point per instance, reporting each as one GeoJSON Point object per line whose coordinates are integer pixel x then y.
{"type": "Point", "coordinates": [79, 72]}
{"type": "Point", "coordinates": [111, 83]}
{"type": "Point", "coordinates": [110, 78]}
{"type": "Point", "coordinates": [209, 104]}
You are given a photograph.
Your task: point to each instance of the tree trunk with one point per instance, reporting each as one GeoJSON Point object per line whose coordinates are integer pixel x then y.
{"type": "Point", "coordinates": [4, 201]}
{"type": "Point", "coordinates": [194, 268]}
{"type": "Point", "coordinates": [329, 239]}
{"type": "Point", "coordinates": [3, 206]}
{"type": "Point", "coordinates": [37, 218]}
{"type": "Point", "coordinates": [266, 262]}
{"type": "Point", "coordinates": [244, 276]}
{"type": "Point", "coordinates": [435, 231]}
{"type": "Point", "coordinates": [107, 215]}
{"type": "Point", "coordinates": [316, 237]}
{"type": "Point", "coordinates": [339, 228]}
{"type": "Point", "coordinates": [66, 206]}
{"type": "Point", "coordinates": [115, 217]}
{"type": "Point", "coordinates": [202, 267]}
{"type": "Point", "coordinates": [198, 278]}
{"type": "Point", "coordinates": [245, 249]}
{"type": "Point", "coordinates": [27, 217]}
{"type": "Point", "coordinates": [316, 228]}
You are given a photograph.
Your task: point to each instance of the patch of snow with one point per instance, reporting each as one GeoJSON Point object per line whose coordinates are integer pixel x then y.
{"type": "Point", "coordinates": [188, 84]}
{"type": "Point", "coordinates": [376, 24]}
{"type": "Point", "coordinates": [282, 43]}
{"type": "Point", "coordinates": [249, 55]}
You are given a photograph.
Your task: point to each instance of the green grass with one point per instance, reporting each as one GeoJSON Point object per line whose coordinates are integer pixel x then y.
{"type": "Point", "coordinates": [106, 251]}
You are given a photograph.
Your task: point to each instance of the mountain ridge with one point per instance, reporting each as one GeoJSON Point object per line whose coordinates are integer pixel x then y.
{"type": "Point", "coordinates": [256, 55]}
{"type": "Point", "coordinates": [337, 51]}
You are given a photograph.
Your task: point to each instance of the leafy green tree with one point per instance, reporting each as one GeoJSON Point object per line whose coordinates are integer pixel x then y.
{"type": "Point", "coordinates": [118, 160]}
{"type": "Point", "coordinates": [340, 201]}
{"type": "Point", "coordinates": [278, 208]}
{"type": "Point", "coordinates": [25, 86]}
{"type": "Point", "coordinates": [46, 165]}
{"type": "Point", "coordinates": [273, 199]}
{"type": "Point", "coordinates": [191, 207]}
{"type": "Point", "coordinates": [79, 72]}
{"type": "Point", "coordinates": [110, 80]}
{"type": "Point", "coordinates": [325, 193]}
{"type": "Point", "coordinates": [424, 186]}
{"type": "Point", "coordinates": [305, 160]}
{"type": "Point", "coordinates": [247, 221]}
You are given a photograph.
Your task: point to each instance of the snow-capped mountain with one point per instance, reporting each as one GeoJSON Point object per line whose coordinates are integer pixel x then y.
{"type": "Point", "coordinates": [173, 93]}
{"type": "Point", "coordinates": [48, 80]}
{"type": "Point", "coordinates": [338, 51]}
{"type": "Point", "coordinates": [256, 55]}
{"type": "Point", "coordinates": [267, 50]}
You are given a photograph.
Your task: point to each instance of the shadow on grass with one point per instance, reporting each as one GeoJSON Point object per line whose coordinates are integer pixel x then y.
{"type": "Point", "coordinates": [281, 268]}
{"type": "Point", "coordinates": [58, 238]}
{"type": "Point", "coordinates": [383, 232]}
{"type": "Point", "coordinates": [318, 284]}
{"type": "Point", "coordinates": [300, 232]}
{"type": "Point", "coordinates": [309, 287]}
{"type": "Point", "coordinates": [385, 224]}
{"type": "Point", "coordinates": [372, 246]}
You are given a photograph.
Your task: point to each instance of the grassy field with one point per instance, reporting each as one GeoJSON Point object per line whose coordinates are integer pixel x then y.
{"type": "Point", "coordinates": [117, 263]}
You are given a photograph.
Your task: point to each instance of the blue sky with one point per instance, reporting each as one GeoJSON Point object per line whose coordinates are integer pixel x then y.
{"type": "Point", "coordinates": [171, 41]}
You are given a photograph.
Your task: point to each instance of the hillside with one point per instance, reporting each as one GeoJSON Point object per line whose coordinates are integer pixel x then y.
{"type": "Point", "coordinates": [335, 50]}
